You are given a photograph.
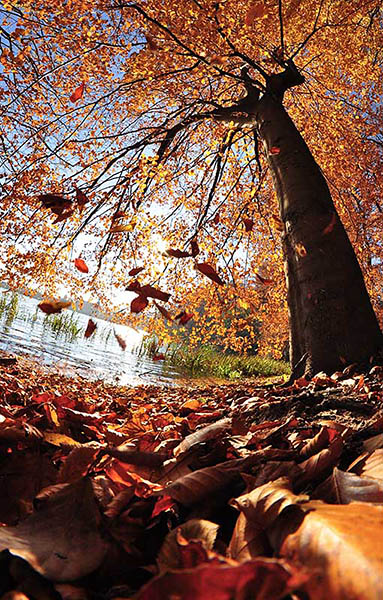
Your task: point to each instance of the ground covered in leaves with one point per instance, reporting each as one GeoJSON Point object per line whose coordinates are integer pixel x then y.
{"type": "Point", "coordinates": [232, 492]}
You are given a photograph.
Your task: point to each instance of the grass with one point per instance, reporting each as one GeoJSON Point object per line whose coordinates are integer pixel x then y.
{"type": "Point", "coordinates": [63, 323]}
{"type": "Point", "coordinates": [209, 361]}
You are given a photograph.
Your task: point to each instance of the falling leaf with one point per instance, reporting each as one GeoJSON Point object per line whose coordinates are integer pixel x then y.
{"type": "Point", "coordinates": [249, 224]}
{"type": "Point", "coordinates": [51, 307]}
{"type": "Point", "coordinates": [82, 199]}
{"type": "Point", "coordinates": [256, 11]}
{"type": "Point", "coordinates": [90, 328]}
{"type": "Point", "coordinates": [194, 248]}
{"type": "Point", "coordinates": [57, 204]}
{"type": "Point", "coordinates": [120, 340]}
{"type": "Point", "coordinates": [215, 219]}
{"type": "Point", "coordinates": [165, 313]}
{"type": "Point", "coordinates": [330, 226]}
{"type": "Point", "coordinates": [274, 150]}
{"type": "Point", "coordinates": [120, 214]}
{"type": "Point", "coordinates": [209, 272]}
{"type": "Point", "coordinates": [157, 357]}
{"type": "Point", "coordinates": [81, 265]}
{"type": "Point", "coordinates": [177, 253]}
{"type": "Point", "coordinates": [264, 280]}
{"type": "Point", "coordinates": [138, 304]}
{"type": "Point", "coordinates": [133, 286]}
{"type": "Point", "coordinates": [184, 317]}
{"type": "Point", "coordinates": [300, 249]}
{"type": "Point", "coordinates": [134, 272]}
{"type": "Point", "coordinates": [121, 228]}
{"type": "Point", "coordinates": [78, 93]}
{"type": "Point", "coordinates": [151, 292]}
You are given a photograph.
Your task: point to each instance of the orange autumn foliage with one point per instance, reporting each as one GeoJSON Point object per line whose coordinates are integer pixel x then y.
{"type": "Point", "coordinates": [145, 146]}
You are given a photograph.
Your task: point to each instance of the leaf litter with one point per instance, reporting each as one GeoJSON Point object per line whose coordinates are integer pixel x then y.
{"type": "Point", "coordinates": [249, 489]}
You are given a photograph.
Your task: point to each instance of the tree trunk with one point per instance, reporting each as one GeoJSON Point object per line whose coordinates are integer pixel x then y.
{"type": "Point", "coordinates": [332, 322]}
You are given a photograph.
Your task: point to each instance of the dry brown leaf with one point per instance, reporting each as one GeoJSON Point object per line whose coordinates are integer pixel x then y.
{"type": "Point", "coordinates": [61, 540]}
{"type": "Point", "coordinates": [343, 487]}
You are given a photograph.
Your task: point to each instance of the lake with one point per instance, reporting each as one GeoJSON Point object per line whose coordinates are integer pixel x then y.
{"type": "Point", "coordinates": [24, 329]}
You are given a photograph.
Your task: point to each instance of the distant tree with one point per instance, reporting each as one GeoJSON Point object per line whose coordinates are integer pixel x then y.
{"type": "Point", "coordinates": [158, 124]}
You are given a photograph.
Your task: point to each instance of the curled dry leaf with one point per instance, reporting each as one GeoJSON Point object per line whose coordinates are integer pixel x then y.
{"type": "Point", "coordinates": [209, 432]}
{"type": "Point", "coordinates": [61, 540]}
{"type": "Point", "coordinates": [51, 307]}
{"type": "Point", "coordinates": [120, 340]}
{"type": "Point", "coordinates": [343, 487]}
{"type": "Point", "coordinates": [341, 546]}
{"type": "Point", "coordinates": [261, 579]}
{"type": "Point", "coordinates": [78, 93]}
{"type": "Point", "coordinates": [138, 304]}
{"type": "Point", "coordinates": [318, 443]}
{"type": "Point", "coordinates": [209, 272]}
{"type": "Point", "coordinates": [169, 556]}
{"type": "Point", "coordinates": [81, 265]}
{"type": "Point", "coordinates": [320, 464]}
{"type": "Point", "coordinates": [76, 464]}
{"type": "Point", "coordinates": [90, 328]}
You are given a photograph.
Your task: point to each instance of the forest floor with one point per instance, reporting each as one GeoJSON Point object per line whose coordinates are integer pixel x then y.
{"type": "Point", "coordinates": [249, 490]}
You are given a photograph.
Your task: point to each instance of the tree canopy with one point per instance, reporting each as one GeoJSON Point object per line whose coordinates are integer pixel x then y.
{"type": "Point", "coordinates": [116, 151]}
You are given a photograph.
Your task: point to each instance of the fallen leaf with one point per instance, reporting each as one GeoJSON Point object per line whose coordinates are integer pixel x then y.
{"type": "Point", "coordinates": [51, 307]}
{"type": "Point", "coordinates": [329, 540]}
{"type": "Point", "coordinates": [343, 487]}
{"type": "Point", "coordinates": [78, 93]}
{"type": "Point", "coordinates": [90, 328]}
{"type": "Point", "coordinates": [209, 272]}
{"type": "Point", "coordinates": [215, 430]}
{"type": "Point", "coordinates": [260, 579]}
{"type": "Point", "coordinates": [81, 265]}
{"type": "Point", "coordinates": [169, 556]}
{"type": "Point", "coordinates": [77, 464]}
{"type": "Point", "coordinates": [138, 304]}
{"type": "Point", "coordinates": [320, 464]}
{"type": "Point", "coordinates": [61, 540]}
{"type": "Point", "coordinates": [120, 340]}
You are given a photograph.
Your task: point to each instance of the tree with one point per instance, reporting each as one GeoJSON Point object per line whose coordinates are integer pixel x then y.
{"type": "Point", "coordinates": [160, 124]}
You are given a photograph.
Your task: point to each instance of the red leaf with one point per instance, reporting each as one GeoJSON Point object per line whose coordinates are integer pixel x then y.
{"type": "Point", "coordinates": [91, 327]}
{"type": "Point", "coordinates": [80, 264]}
{"type": "Point", "coordinates": [184, 317]}
{"type": "Point", "coordinates": [134, 272]}
{"type": "Point", "coordinates": [152, 292]}
{"type": "Point", "coordinates": [63, 216]}
{"type": "Point", "coordinates": [194, 248]}
{"type": "Point", "coordinates": [50, 307]}
{"type": "Point", "coordinates": [159, 357]}
{"type": "Point", "coordinates": [330, 226]}
{"type": "Point", "coordinates": [263, 279]}
{"type": "Point", "coordinates": [78, 93]}
{"type": "Point", "coordinates": [120, 340]}
{"type": "Point", "coordinates": [151, 43]}
{"type": "Point", "coordinates": [209, 272]}
{"type": "Point", "coordinates": [177, 253]}
{"type": "Point", "coordinates": [274, 150]}
{"type": "Point", "coordinates": [138, 304]}
{"type": "Point", "coordinates": [249, 224]}
{"type": "Point", "coordinates": [163, 503]}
